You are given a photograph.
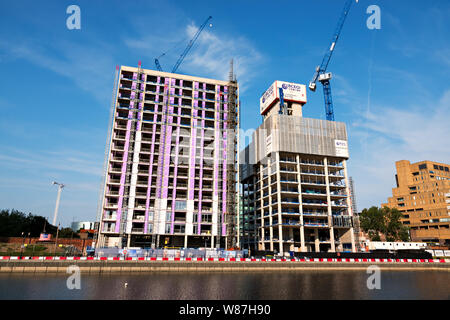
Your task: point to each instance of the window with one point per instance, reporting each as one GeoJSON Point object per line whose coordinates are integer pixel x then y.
{"type": "Point", "coordinates": [422, 166]}
{"type": "Point", "coordinates": [180, 205]}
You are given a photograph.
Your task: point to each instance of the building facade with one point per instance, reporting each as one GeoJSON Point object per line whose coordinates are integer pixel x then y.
{"type": "Point", "coordinates": [171, 162]}
{"type": "Point", "coordinates": [422, 194]}
{"type": "Point", "coordinates": [294, 186]}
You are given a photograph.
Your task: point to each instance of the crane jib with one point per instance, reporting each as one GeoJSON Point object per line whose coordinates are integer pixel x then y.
{"type": "Point", "coordinates": [320, 73]}
{"type": "Point", "coordinates": [332, 46]}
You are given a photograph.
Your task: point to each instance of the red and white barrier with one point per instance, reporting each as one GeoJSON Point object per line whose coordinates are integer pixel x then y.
{"type": "Point", "coordinates": [341, 260]}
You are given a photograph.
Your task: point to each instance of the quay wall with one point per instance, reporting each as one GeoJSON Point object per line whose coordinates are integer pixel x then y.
{"type": "Point", "coordinates": [100, 267]}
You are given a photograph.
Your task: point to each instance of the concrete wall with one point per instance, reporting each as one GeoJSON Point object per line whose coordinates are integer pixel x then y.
{"type": "Point", "coordinates": [98, 267]}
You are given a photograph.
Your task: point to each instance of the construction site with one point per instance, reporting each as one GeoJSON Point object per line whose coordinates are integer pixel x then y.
{"type": "Point", "coordinates": [171, 164]}
{"type": "Point", "coordinates": [173, 177]}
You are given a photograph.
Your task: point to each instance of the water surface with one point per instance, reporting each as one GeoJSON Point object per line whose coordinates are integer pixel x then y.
{"type": "Point", "coordinates": [226, 286]}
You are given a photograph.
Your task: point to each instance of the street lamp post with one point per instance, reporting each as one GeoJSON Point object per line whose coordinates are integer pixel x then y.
{"type": "Point", "coordinates": [56, 241]}
{"type": "Point", "coordinates": [60, 187]}
{"type": "Point", "coordinates": [23, 243]}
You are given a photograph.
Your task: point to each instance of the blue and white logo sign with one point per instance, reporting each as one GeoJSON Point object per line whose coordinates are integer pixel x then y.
{"type": "Point", "coordinates": [292, 92]}
{"type": "Point", "coordinates": [341, 148]}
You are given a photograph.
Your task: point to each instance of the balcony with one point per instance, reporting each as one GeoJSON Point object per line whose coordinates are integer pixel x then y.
{"type": "Point", "coordinates": [290, 201]}
{"type": "Point", "coordinates": [308, 202]}
{"type": "Point", "coordinates": [285, 180]}
{"type": "Point", "coordinates": [338, 194]}
{"type": "Point", "coordinates": [288, 170]}
{"type": "Point", "coordinates": [109, 230]}
{"type": "Point", "coordinates": [112, 193]}
{"type": "Point", "coordinates": [111, 206]}
{"type": "Point", "coordinates": [315, 224]}
{"type": "Point", "coordinates": [292, 212]}
{"type": "Point", "coordinates": [336, 165]}
{"type": "Point", "coordinates": [288, 159]}
{"type": "Point", "coordinates": [312, 182]}
{"type": "Point", "coordinates": [338, 204]}
{"type": "Point", "coordinates": [336, 175]}
{"type": "Point", "coordinates": [311, 162]}
{"type": "Point", "coordinates": [315, 213]}
{"type": "Point", "coordinates": [289, 190]}
{"type": "Point", "coordinates": [339, 184]}
{"type": "Point", "coordinates": [313, 193]}
{"type": "Point", "coordinates": [312, 172]}
{"type": "Point", "coordinates": [141, 194]}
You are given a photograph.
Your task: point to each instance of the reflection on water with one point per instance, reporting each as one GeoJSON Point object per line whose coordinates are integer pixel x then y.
{"type": "Point", "coordinates": [255, 285]}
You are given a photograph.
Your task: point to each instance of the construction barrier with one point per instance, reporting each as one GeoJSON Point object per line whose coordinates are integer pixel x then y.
{"type": "Point", "coordinates": [346, 260]}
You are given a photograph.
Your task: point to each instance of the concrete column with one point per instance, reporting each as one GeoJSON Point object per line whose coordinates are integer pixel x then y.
{"type": "Point", "coordinates": [280, 229]}
{"type": "Point", "coordinates": [300, 200]}
{"type": "Point", "coordinates": [185, 240]}
{"type": "Point", "coordinates": [261, 215]}
{"type": "Point", "coordinates": [269, 181]}
{"type": "Point", "coordinates": [330, 212]}
{"type": "Point", "coordinates": [316, 240]}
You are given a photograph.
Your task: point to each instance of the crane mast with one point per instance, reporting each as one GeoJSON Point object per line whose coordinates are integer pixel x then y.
{"type": "Point", "coordinates": [321, 75]}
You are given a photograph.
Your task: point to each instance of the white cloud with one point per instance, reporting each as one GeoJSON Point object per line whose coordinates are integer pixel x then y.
{"type": "Point", "coordinates": [86, 65]}
{"type": "Point", "coordinates": [390, 134]}
{"type": "Point", "coordinates": [53, 161]}
{"type": "Point", "coordinates": [214, 52]}
{"type": "Point", "coordinates": [209, 56]}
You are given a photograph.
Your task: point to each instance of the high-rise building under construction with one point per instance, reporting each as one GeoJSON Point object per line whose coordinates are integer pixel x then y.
{"type": "Point", "coordinates": [294, 182]}
{"type": "Point", "coordinates": [170, 177]}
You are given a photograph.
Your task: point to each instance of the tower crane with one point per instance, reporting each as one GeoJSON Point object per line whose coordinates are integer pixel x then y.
{"type": "Point", "coordinates": [321, 73]}
{"type": "Point", "coordinates": [185, 52]}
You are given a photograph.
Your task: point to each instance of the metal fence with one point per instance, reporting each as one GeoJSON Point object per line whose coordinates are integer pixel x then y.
{"type": "Point", "coordinates": [170, 253]}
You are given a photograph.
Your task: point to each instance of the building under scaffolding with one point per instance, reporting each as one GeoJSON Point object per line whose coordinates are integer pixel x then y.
{"type": "Point", "coordinates": [170, 174]}
{"type": "Point", "coordinates": [295, 189]}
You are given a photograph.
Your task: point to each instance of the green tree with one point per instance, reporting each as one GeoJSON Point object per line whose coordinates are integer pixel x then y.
{"type": "Point", "coordinates": [383, 221]}
{"type": "Point", "coordinates": [67, 233]}
{"type": "Point", "coordinates": [14, 222]}
{"type": "Point", "coordinates": [371, 221]}
{"type": "Point", "coordinates": [395, 229]}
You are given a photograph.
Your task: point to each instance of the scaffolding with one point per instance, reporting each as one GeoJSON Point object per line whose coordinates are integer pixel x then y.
{"type": "Point", "coordinates": [106, 155]}
{"type": "Point", "coordinates": [356, 227]}
{"type": "Point", "coordinates": [232, 166]}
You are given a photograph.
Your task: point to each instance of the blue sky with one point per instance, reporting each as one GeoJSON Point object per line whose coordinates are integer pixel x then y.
{"type": "Point", "coordinates": [391, 86]}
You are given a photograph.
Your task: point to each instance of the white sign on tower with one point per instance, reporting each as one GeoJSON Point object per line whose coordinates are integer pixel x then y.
{"type": "Point", "coordinates": [293, 92]}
